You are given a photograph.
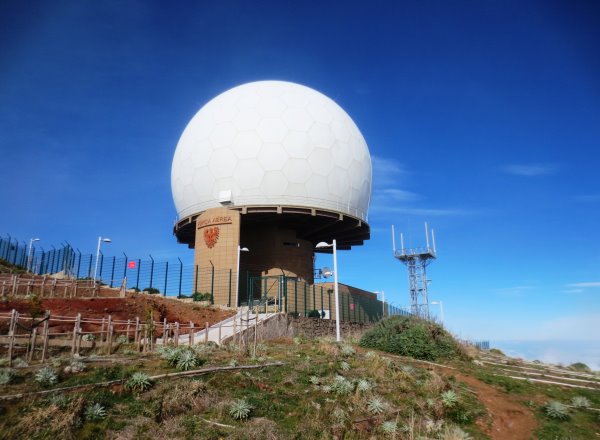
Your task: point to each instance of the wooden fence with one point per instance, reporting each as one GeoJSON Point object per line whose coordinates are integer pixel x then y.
{"type": "Point", "coordinates": [32, 337]}
{"type": "Point", "coordinates": [16, 285]}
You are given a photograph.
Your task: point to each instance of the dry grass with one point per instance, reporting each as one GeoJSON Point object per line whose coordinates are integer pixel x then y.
{"type": "Point", "coordinates": [48, 421]}
{"type": "Point", "coordinates": [182, 397]}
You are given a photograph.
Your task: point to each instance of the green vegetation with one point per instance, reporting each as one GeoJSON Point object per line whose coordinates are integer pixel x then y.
{"type": "Point", "coordinates": [197, 296]}
{"type": "Point", "coordinates": [324, 390]}
{"type": "Point", "coordinates": [414, 337]}
{"type": "Point", "coordinates": [151, 290]}
{"type": "Point", "coordinates": [580, 366]}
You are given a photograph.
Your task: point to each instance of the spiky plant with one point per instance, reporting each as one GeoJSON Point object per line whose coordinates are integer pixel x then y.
{"type": "Point", "coordinates": [315, 380]}
{"type": "Point", "coordinates": [556, 410]}
{"type": "Point", "coordinates": [20, 363]}
{"type": "Point", "coordinates": [344, 366]}
{"type": "Point", "coordinates": [88, 337]}
{"type": "Point", "coordinates": [454, 433]}
{"type": "Point", "coordinates": [580, 402]}
{"type": "Point", "coordinates": [407, 369]}
{"type": "Point", "coordinates": [95, 412]}
{"type": "Point", "coordinates": [389, 427]}
{"type": "Point", "coordinates": [347, 350]}
{"type": "Point", "coordinates": [240, 409]}
{"type": "Point", "coordinates": [233, 363]}
{"type": "Point", "coordinates": [363, 385]}
{"type": "Point", "coordinates": [341, 385]}
{"type": "Point", "coordinates": [7, 375]}
{"type": "Point", "coordinates": [77, 366]}
{"type": "Point", "coordinates": [46, 376]}
{"type": "Point", "coordinates": [138, 382]}
{"type": "Point", "coordinates": [449, 399]}
{"type": "Point", "coordinates": [172, 356]}
{"type": "Point", "coordinates": [297, 340]}
{"type": "Point", "coordinates": [122, 339]}
{"type": "Point", "coordinates": [376, 405]}
{"type": "Point", "coordinates": [326, 389]}
{"type": "Point", "coordinates": [370, 354]}
{"type": "Point", "coordinates": [339, 415]}
{"type": "Point", "coordinates": [433, 425]}
{"type": "Point", "coordinates": [59, 400]}
{"type": "Point", "coordinates": [187, 360]}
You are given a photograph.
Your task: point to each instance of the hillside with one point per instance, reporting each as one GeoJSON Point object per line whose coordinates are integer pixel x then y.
{"type": "Point", "coordinates": [309, 389]}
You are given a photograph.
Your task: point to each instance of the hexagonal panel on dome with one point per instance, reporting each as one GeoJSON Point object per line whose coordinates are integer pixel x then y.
{"type": "Point", "coordinates": [272, 157]}
{"type": "Point", "coordinates": [222, 162]}
{"type": "Point", "coordinates": [297, 144]}
{"type": "Point", "coordinates": [270, 107]}
{"type": "Point", "coordinates": [297, 119]}
{"type": "Point", "coordinates": [246, 119]}
{"type": "Point", "coordinates": [297, 170]}
{"type": "Point", "coordinates": [222, 135]}
{"type": "Point", "coordinates": [320, 135]}
{"type": "Point", "coordinates": [248, 174]}
{"type": "Point", "coordinates": [320, 161]}
{"type": "Point", "coordinates": [271, 130]}
{"type": "Point", "coordinates": [273, 183]}
{"type": "Point", "coordinates": [246, 144]}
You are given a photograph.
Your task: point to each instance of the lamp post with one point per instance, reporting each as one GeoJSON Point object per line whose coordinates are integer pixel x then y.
{"type": "Point", "coordinates": [335, 286]}
{"type": "Point", "coordinates": [237, 284]}
{"type": "Point", "coordinates": [100, 240]}
{"type": "Point", "coordinates": [441, 309]}
{"type": "Point", "coordinates": [29, 253]}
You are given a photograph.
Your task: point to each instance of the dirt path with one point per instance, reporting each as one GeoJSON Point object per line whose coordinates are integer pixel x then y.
{"type": "Point", "coordinates": [510, 419]}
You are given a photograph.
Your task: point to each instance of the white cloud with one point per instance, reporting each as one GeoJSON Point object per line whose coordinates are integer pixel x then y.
{"type": "Point", "coordinates": [514, 291]}
{"type": "Point", "coordinates": [386, 172]}
{"type": "Point", "coordinates": [586, 284]}
{"type": "Point", "coordinates": [584, 327]}
{"type": "Point", "coordinates": [530, 170]}
{"type": "Point", "coordinates": [572, 291]}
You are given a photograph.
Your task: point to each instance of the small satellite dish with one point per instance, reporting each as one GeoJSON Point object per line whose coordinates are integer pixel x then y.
{"type": "Point", "coordinates": [327, 272]}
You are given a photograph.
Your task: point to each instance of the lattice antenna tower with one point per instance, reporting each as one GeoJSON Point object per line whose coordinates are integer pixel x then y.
{"type": "Point", "coordinates": [417, 260]}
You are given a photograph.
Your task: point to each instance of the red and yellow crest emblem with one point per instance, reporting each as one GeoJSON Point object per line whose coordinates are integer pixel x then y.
{"type": "Point", "coordinates": [211, 235]}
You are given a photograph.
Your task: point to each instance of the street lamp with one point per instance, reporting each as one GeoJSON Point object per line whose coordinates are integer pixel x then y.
{"type": "Point", "coordinates": [29, 253]}
{"type": "Point", "coordinates": [100, 240]}
{"type": "Point", "coordinates": [322, 245]}
{"type": "Point", "coordinates": [441, 309]}
{"type": "Point", "coordinates": [237, 286]}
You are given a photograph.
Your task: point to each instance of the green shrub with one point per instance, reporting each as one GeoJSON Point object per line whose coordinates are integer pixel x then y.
{"type": "Point", "coordinates": [414, 337]}
{"type": "Point", "coordinates": [197, 296]}
{"type": "Point", "coordinates": [580, 366]}
{"type": "Point", "coordinates": [95, 412]}
{"type": "Point", "coordinates": [7, 375]}
{"type": "Point", "coordinates": [314, 314]}
{"type": "Point", "coordinates": [151, 290]}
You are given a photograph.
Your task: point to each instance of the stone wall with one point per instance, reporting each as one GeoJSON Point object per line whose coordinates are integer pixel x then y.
{"type": "Point", "coordinates": [314, 327]}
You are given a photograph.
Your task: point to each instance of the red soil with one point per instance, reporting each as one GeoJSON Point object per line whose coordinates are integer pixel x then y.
{"type": "Point", "coordinates": [121, 309]}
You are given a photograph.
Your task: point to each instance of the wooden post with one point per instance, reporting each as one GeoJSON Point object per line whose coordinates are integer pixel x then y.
{"type": "Point", "coordinates": [164, 335]}
{"type": "Point", "coordinates": [191, 333]}
{"type": "Point", "coordinates": [109, 324]}
{"type": "Point", "coordinates": [110, 336]}
{"type": "Point", "coordinates": [102, 331]}
{"type": "Point", "coordinates": [32, 344]}
{"type": "Point", "coordinates": [176, 336]}
{"type": "Point", "coordinates": [46, 336]}
{"type": "Point", "coordinates": [137, 329]}
{"type": "Point", "coordinates": [43, 286]}
{"type": "Point", "coordinates": [14, 291]}
{"type": "Point", "coordinates": [53, 287]}
{"type": "Point", "coordinates": [75, 331]}
{"type": "Point", "coordinates": [14, 316]}
{"type": "Point", "coordinates": [128, 326]}
{"type": "Point", "coordinates": [219, 333]}
{"type": "Point", "coordinates": [255, 333]}
{"type": "Point", "coordinates": [3, 287]}
{"type": "Point", "coordinates": [206, 334]}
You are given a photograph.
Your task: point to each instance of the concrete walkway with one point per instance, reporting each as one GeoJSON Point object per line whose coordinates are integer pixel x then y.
{"type": "Point", "coordinates": [225, 329]}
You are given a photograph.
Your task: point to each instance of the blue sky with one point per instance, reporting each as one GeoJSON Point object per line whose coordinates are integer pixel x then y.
{"type": "Point", "coordinates": [482, 117]}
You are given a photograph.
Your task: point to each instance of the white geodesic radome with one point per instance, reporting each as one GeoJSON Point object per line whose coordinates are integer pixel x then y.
{"type": "Point", "coordinates": [272, 143]}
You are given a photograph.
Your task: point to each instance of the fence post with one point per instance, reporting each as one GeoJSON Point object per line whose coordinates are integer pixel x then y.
{"type": "Point", "coordinates": [125, 267]}
{"type": "Point", "coordinates": [46, 336]}
{"type": "Point", "coordinates": [180, 277]}
{"type": "Point", "coordinates": [176, 336]}
{"type": "Point", "coordinates": [228, 301]}
{"type": "Point", "coordinates": [151, 269]}
{"type": "Point", "coordinates": [166, 275]}
{"type": "Point", "coordinates": [14, 317]}
{"type": "Point", "coordinates": [196, 280]}
{"type": "Point", "coordinates": [296, 296]}
{"type": "Point", "coordinates": [206, 334]}
{"type": "Point", "coordinates": [137, 278]}
{"type": "Point", "coordinates": [191, 336]}
{"type": "Point", "coordinates": [75, 332]}
{"type": "Point", "coordinates": [112, 272]}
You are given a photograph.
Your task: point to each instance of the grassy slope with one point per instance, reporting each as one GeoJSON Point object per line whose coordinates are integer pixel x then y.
{"type": "Point", "coordinates": [292, 401]}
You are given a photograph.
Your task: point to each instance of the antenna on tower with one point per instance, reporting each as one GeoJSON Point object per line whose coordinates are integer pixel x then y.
{"type": "Point", "coordinates": [417, 260]}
